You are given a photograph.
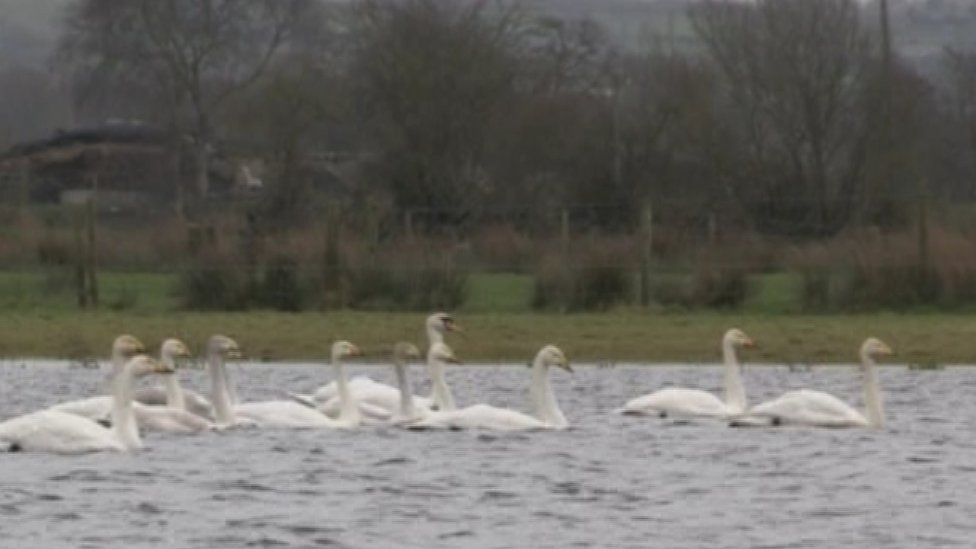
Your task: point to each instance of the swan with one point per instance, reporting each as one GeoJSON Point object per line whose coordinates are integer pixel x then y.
{"type": "Point", "coordinates": [379, 400]}
{"type": "Point", "coordinates": [482, 416]}
{"type": "Point", "coordinates": [674, 401]}
{"type": "Point", "coordinates": [376, 401]}
{"type": "Point", "coordinates": [276, 413]}
{"type": "Point", "coordinates": [64, 433]}
{"type": "Point", "coordinates": [438, 357]}
{"type": "Point", "coordinates": [407, 411]}
{"type": "Point", "coordinates": [124, 347]}
{"type": "Point", "coordinates": [171, 394]}
{"type": "Point", "coordinates": [166, 419]}
{"type": "Point", "coordinates": [174, 416]}
{"type": "Point", "coordinates": [817, 409]}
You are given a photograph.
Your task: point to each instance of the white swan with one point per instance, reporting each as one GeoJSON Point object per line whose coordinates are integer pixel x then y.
{"type": "Point", "coordinates": [675, 401]}
{"type": "Point", "coordinates": [407, 411]}
{"type": "Point", "coordinates": [817, 409]}
{"type": "Point", "coordinates": [124, 348]}
{"type": "Point", "coordinates": [64, 433]}
{"type": "Point", "coordinates": [376, 400]}
{"type": "Point", "coordinates": [173, 417]}
{"type": "Point", "coordinates": [166, 419]}
{"type": "Point", "coordinates": [276, 413]}
{"type": "Point", "coordinates": [438, 357]}
{"type": "Point", "coordinates": [171, 394]}
{"type": "Point", "coordinates": [482, 416]}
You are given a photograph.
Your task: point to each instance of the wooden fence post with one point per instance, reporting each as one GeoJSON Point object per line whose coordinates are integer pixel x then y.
{"type": "Point", "coordinates": [332, 275]}
{"type": "Point", "coordinates": [23, 191]}
{"type": "Point", "coordinates": [567, 274]}
{"type": "Point", "coordinates": [647, 251]}
{"type": "Point", "coordinates": [408, 224]}
{"type": "Point", "coordinates": [92, 248]}
{"type": "Point", "coordinates": [922, 236]}
{"type": "Point", "coordinates": [80, 258]}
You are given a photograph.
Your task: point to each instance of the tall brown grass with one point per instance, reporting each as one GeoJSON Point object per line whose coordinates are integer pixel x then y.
{"type": "Point", "coordinates": [871, 269]}
{"type": "Point", "coordinates": [597, 273]}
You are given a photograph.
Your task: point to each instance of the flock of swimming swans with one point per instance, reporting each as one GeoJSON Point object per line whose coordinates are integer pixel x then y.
{"type": "Point", "coordinates": [113, 422]}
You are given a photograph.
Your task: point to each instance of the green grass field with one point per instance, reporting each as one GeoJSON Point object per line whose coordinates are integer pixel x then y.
{"type": "Point", "coordinates": [38, 317]}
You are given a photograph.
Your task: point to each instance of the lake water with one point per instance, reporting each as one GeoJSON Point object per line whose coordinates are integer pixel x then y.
{"type": "Point", "coordinates": [609, 482]}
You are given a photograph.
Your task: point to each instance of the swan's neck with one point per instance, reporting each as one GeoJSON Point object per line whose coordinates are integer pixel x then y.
{"type": "Point", "coordinates": [223, 412]}
{"type": "Point", "coordinates": [118, 364]}
{"type": "Point", "coordinates": [735, 391]}
{"type": "Point", "coordinates": [406, 392]}
{"type": "Point", "coordinates": [434, 336]}
{"type": "Point", "coordinates": [349, 410]}
{"type": "Point", "coordinates": [123, 418]}
{"type": "Point", "coordinates": [174, 393]}
{"type": "Point", "coordinates": [440, 392]}
{"type": "Point", "coordinates": [546, 407]}
{"type": "Point", "coordinates": [874, 408]}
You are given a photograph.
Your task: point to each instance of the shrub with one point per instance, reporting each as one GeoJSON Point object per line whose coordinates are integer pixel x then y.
{"type": "Point", "coordinates": [720, 287]}
{"type": "Point", "coordinates": [601, 286]}
{"type": "Point", "coordinates": [671, 291]}
{"type": "Point", "coordinates": [872, 270]}
{"type": "Point", "coordinates": [597, 279]}
{"type": "Point", "coordinates": [553, 285]}
{"type": "Point", "coordinates": [53, 251]}
{"type": "Point", "coordinates": [280, 287]}
{"type": "Point", "coordinates": [391, 280]}
{"type": "Point", "coordinates": [714, 287]}
{"type": "Point", "coordinates": [213, 283]}
{"type": "Point", "coordinates": [501, 247]}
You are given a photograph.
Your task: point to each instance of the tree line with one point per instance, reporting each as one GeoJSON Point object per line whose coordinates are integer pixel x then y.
{"type": "Point", "coordinates": [790, 118]}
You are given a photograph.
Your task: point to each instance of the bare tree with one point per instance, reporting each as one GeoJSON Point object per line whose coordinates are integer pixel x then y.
{"type": "Point", "coordinates": [430, 76]}
{"type": "Point", "coordinates": [961, 69]}
{"type": "Point", "coordinates": [795, 74]}
{"type": "Point", "coordinates": [553, 143]}
{"type": "Point", "coordinates": [190, 56]}
{"type": "Point", "coordinates": [668, 120]}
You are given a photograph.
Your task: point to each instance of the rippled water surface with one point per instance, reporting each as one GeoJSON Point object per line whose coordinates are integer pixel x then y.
{"type": "Point", "coordinates": [610, 481]}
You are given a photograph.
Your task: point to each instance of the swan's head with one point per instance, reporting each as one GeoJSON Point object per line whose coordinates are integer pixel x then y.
{"type": "Point", "coordinates": [127, 346]}
{"type": "Point", "coordinates": [442, 323]}
{"type": "Point", "coordinates": [406, 351]}
{"type": "Point", "coordinates": [342, 349]}
{"type": "Point", "coordinates": [143, 365]}
{"type": "Point", "coordinates": [550, 355]}
{"type": "Point", "coordinates": [440, 352]}
{"type": "Point", "coordinates": [874, 347]}
{"type": "Point", "coordinates": [736, 338]}
{"type": "Point", "coordinates": [223, 346]}
{"type": "Point", "coordinates": [174, 349]}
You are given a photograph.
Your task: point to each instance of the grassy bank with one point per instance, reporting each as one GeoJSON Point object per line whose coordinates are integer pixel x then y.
{"type": "Point", "coordinates": [618, 336]}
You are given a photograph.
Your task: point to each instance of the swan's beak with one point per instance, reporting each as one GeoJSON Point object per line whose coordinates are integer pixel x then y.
{"type": "Point", "coordinates": [451, 360]}
{"type": "Point", "coordinates": [886, 350]}
{"type": "Point", "coordinates": [354, 351]}
{"type": "Point", "coordinates": [565, 365]}
{"type": "Point", "coordinates": [234, 352]}
{"type": "Point", "coordinates": [749, 344]}
{"type": "Point", "coordinates": [161, 367]}
{"type": "Point", "coordinates": [452, 326]}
